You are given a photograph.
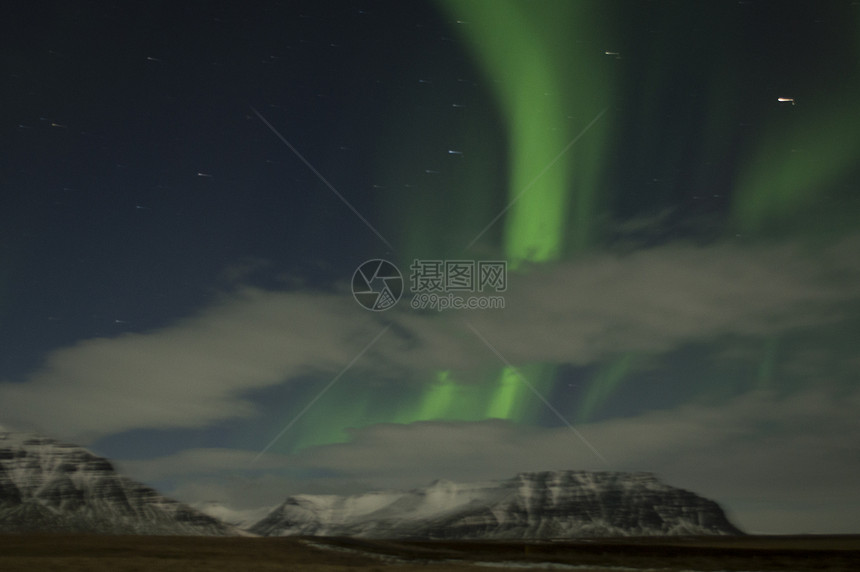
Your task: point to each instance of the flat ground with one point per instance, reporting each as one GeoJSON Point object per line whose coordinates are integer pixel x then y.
{"type": "Point", "coordinates": [139, 553]}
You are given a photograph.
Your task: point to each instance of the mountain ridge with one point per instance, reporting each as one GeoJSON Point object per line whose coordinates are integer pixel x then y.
{"type": "Point", "coordinates": [547, 504]}
{"type": "Point", "coordinates": [50, 486]}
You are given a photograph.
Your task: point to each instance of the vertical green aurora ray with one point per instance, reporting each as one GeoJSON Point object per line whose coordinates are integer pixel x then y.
{"type": "Point", "coordinates": [549, 88]}
{"type": "Point", "coordinates": [432, 215]}
{"type": "Point", "coordinates": [438, 397]}
{"type": "Point", "coordinates": [447, 399]}
{"type": "Point", "coordinates": [507, 394]}
{"type": "Point", "coordinates": [603, 385]}
{"type": "Point", "coordinates": [512, 398]}
{"type": "Point", "coordinates": [546, 66]}
{"type": "Point", "coordinates": [799, 177]}
{"type": "Point", "coordinates": [796, 180]}
{"type": "Point", "coordinates": [328, 423]}
{"type": "Point", "coordinates": [794, 183]}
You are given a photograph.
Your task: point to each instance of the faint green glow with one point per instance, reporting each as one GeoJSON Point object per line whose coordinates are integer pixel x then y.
{"type": "Point", "coordinates": [604, 384]}
{"type": "Point", "coordinates": [506, 395]}
{"type": "Point", "coordinates": [327, 422]}
{"type": "Point", "coordinates": [444, 398]}
{"type": "Point", "coordinates": [791, 183]}
{"type": "Point", "coordinates": [549, 90]}
{"type": "Point", "coordinates": [513, 399]}
{"type": "Point", "coordinates": [768, 364]}
{"type": "Point", "coordinates": [432, 216]}
{"type": "Point", "coordinates": [438, 398]}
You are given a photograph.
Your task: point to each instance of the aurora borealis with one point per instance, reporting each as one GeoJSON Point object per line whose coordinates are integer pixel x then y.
{"type": "Point", "coordinates": [558, 195]}
{"type": "Point", "coordinates": [552, 186]}
{"type": "Point", "coordinates": [540, 80]}
{"type": "Point", "coordinates": [681, 246]}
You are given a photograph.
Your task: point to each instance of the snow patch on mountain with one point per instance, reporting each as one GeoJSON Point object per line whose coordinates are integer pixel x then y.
{"type": "Point", "coordinates": [47, 485]}
{"type": "Point", "coordinates": [240, 518]}
{"type": "Point", "coordinates": [559, 504]}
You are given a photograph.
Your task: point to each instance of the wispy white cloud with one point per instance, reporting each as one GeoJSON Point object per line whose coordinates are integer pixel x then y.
{"type": "Point", "coordinates": [192, 373]}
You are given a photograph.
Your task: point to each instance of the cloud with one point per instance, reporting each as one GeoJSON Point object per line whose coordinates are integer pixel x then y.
{"type": "Point", "coordinates": [654, 300]}
{"type": "Point", "coordinates": [211, 460]}
{"type": "Point", "coordinates": [201, 370]}
{"type": "Point", "coordinates": [192, 373]}
{"type": "Point", "coordinates": [778, 464]}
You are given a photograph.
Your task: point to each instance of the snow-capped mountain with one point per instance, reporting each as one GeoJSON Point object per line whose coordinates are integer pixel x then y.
{"type": "Point", "coordinates": [560, 504]}
{"type": "Point", "coordinates": [46, 485]}
{"type": "Point", "coordinates": [240, 518]}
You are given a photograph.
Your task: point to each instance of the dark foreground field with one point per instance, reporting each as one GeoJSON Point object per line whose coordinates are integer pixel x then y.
{"type": "Point", "coordinates": [126, 553]}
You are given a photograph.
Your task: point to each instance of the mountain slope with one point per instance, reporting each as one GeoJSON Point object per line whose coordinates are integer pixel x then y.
{"type": "Point", "coordinates": [46, 485]}
{"type": "Point", "coordinates": [560, 504]}
{"type": "Point", "coordinates": [240, 518]}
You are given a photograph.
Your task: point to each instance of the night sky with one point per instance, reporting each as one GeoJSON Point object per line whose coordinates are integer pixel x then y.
{"type": "Point", "coordinates": [189, 187]}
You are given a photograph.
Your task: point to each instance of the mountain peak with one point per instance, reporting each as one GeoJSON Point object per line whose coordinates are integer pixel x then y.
{"type": "Point", "coordinates": [48, 485]}
{"type": "Point", "coordinates": [547, 504]}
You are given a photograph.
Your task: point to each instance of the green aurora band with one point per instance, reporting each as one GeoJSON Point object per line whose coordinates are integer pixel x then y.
{"type": "Point", "coordinates": [549, 91]}
{"type": "Point", "coordinates": [794, 182]}
{"type": "Point", "coordinates": [787, 180]}
{"type": "Point", "coordinates": [551, 94]}
{"type": "Point", "coordinates": [604, 384]}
